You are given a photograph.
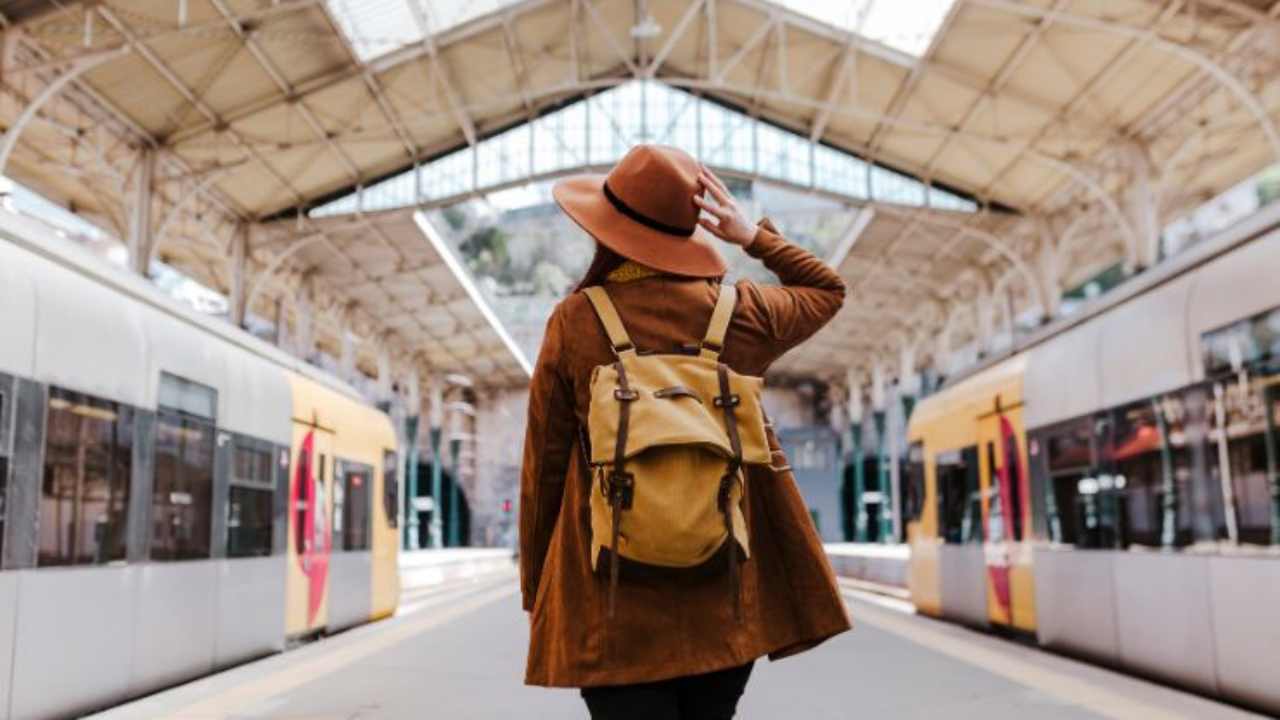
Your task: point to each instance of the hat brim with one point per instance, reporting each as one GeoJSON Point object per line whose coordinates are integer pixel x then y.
{"type": "Point", "coordinates": [582, 198]}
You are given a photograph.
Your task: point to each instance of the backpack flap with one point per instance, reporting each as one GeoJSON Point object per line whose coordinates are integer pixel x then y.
{"type": "Point", "coordinates": [674, 404]}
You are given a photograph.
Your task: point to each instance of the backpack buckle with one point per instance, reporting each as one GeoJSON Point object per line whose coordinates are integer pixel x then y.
{"type": "Point", "coordinates": [622, 488]}
{"type": "Point", "coordinates": [625, 395]}
{"type": "Point", "coordinates": [726, 488]}
{"type": "Point", "coordinates": [727, 401]}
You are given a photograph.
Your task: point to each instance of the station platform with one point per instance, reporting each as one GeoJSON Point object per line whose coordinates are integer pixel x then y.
{"type": "Point", "coordinates": [456, 649]}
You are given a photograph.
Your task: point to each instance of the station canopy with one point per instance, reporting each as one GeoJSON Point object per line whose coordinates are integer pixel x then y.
{"type": "Point", "coordinates": [923, 151]}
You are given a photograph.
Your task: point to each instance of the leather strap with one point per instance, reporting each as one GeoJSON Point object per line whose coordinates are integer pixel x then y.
{"type": "Point", "coordinates": [713, 343]}
{"type": "Point", "coordinates": [727, 402]}
{"type": "Point", "coordinates": [612, 322]}
{"type": "Point", "coordinates": [620, 482]}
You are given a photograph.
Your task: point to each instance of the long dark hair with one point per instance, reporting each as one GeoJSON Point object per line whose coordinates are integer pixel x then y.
{"type": "Point", "coordinates": [604, 262]}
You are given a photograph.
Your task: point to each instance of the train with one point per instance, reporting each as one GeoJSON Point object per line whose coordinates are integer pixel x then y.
{"type": "Point", "coordinates": [1110, 487]}
{"type": "Point", "coordinates": [176, 495]}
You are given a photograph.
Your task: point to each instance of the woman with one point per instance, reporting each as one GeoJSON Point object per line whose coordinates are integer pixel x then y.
{"type": "Point", "coordinates": [669, 650]}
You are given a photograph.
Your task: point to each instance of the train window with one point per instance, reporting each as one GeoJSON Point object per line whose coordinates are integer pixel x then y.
{"type": "Point", "coordinates": [187, 397]}
{"type": "Point", "coordinates": [1143, 455]}
{"type": "Point", "coordinates": [355, 481]}
{"type": "Point", "coordinates": [1253, 342]}
{"type": "Point", "coordinates": [1013, 471]}
{"type": "Point", "coordinates": [390, 487]}
{"type": "Point", "coordinates": [959, 507]}
{"type": "Point", "coordinates": [249, 518]}
{"type": "Point", "coordinates": [85, 491]}
{"type": "Point", "coordinates": [303, 502]}
{"type": "Point", "coordinates": [1243, 459]}
{"type": "Point", "coordinates": [915, 482]}
{"type": "Point", "coordinates": [4, 468]}
{"type": "Point", "coordinates": [4, 484]}
{"type": "Point", "coordinates": [181, 501]}
{"type": "Point", "coordinates": [1069, 459]}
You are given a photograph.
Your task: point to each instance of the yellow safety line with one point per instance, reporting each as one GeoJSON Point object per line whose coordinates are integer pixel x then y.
{"type": "Point", "coordinates": [1071, 689]}
{"type": "Point", "coordinates": [236, 700]}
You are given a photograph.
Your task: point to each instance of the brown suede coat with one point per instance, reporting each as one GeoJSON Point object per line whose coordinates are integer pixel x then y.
{"type": "Point", "coordinates": [660, 629]}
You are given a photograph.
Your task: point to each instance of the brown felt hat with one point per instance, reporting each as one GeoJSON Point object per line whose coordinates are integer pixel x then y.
{"type": "Point", "coordinates": [643, 210]}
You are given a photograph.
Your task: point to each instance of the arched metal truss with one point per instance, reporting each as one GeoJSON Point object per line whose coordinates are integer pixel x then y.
{"type": "Point", "coordinates": [289, 137]}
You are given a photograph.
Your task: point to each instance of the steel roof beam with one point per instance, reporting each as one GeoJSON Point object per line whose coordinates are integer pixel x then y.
{"type": "Point", "coordinates": [682, 27]}
{"type": "Point", "coordinates": [1151, 36]}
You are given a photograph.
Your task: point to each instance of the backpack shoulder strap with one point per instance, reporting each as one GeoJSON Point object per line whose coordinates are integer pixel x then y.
{"type": "Point", "coordinates": [609, 317]}
{"type": "Point", "coordinates": [713, 343]}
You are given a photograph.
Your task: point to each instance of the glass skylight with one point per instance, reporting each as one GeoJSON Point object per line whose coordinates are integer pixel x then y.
{"type": "Point", "coordinates": [906, 25]}
{"type": "Point", "coordinates": [599, 130]}
{"type": "Point", "coordinates": [377, 27]}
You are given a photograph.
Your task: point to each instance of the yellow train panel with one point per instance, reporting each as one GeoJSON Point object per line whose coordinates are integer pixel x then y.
{"type": "Point", "coordinates": [331, 426]}
{"type": "Point", "coordinates": [982, 412]}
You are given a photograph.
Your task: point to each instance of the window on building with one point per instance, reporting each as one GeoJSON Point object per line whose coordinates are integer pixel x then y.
{"type": "Point", "coordinates": [352, 508]}
{"type": "Point", "coordinates": [252, 495]}
{"type": "Point", "coordinates": [84, 499]}
{"type": "Point", "coordinates": [390, 487]}
{"type": "Point", "coordinates": [182, 497]}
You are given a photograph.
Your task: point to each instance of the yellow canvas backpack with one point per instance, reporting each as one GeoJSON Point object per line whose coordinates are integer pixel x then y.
{"type": "Point", "coordinates": [669, 436]}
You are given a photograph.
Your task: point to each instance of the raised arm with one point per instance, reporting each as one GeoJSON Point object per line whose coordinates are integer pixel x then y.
{"type": "Point", "coordinates": [811, 292]}
{"type": "Point", "coordinates": [547, 443]}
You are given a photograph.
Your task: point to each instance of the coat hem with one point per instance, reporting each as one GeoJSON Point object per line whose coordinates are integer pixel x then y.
{"type": "Point", "coordinates": [776, 652]}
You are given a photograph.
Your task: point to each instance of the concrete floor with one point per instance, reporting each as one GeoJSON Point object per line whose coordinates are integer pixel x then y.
{"type": "Point", "coordinates": [458, 652]}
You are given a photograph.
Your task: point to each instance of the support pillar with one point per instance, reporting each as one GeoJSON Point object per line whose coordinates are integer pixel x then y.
{"type": "Point", "coordinates": [140, 216]}
{"type": "Point", "coordinates": [384, 371]}
{"type": "Point", "coordinates": [908, 379]}
{"type": "Point", "coordinates": [942, 354]}
{"type": "Point", "coordinates": [304, 314]}
{"type": "Point", "coordinates": [413, 537]}
{"type": "Point", "coordinates": [239, 260]}
{"type": "Point", "coordinates": [984, 310]}
{"type": "Point", "coordinates": [856, 453]}
{"type": "Point", "coordinates": [1141, 207]}
{"type": "Point", "coordinates": [455, 453]}
{"type": "Point", "coordinates": [347, 363]}
{"type": "Point", "coordinates": [436, 415]}
{"type": "Point", "coordinates": [878, 415]}
{"type": "Point", "coordinates": [1048, 269]}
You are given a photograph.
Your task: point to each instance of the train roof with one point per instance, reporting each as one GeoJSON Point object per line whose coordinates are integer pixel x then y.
{"type": "Point", "coordinates": [40, 239]}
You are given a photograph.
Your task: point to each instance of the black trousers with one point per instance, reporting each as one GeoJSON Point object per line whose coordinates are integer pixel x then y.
{"type": "Point", "coordinates": [713, 696]}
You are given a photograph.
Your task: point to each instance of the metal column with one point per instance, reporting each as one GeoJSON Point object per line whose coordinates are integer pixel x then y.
{"type": "Point", "coordinates": [412, 537]}
{"type": "Point", "coordinates": [882, 476]}
{"type": "Point", "coordinates": [859, 484]}
{"type": "Point", "coordinates": [455, 526]}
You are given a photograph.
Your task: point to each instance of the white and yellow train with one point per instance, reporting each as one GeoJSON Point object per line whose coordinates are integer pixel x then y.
{"type": "Point", "coordinates": [1113, 487]}
{"type": "Point", "coordinates": [176, 496]}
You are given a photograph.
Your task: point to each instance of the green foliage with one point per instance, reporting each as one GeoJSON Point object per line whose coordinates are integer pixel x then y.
{"type": "Point", "coordinates": [487, 253]}
{"type": "Point", "coordinates": [455, 216]}
{"type": "Point", "coordinates": [1269, 186]}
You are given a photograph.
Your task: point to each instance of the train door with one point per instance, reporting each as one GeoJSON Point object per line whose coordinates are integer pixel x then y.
{"type": "Point", "coordinates": [1006, 518]}
{"type": "Point", "coordinates": [311, 489]}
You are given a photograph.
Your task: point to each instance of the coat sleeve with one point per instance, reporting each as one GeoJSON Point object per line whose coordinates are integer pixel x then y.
{"type": "Point", "coordinates": [810, 295]}
{"type": "Point", "coordinates": [548, 441]}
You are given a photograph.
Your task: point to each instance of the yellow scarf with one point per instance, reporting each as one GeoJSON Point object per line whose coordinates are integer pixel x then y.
{"type": "Point", "coordinates": [631, 270]}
